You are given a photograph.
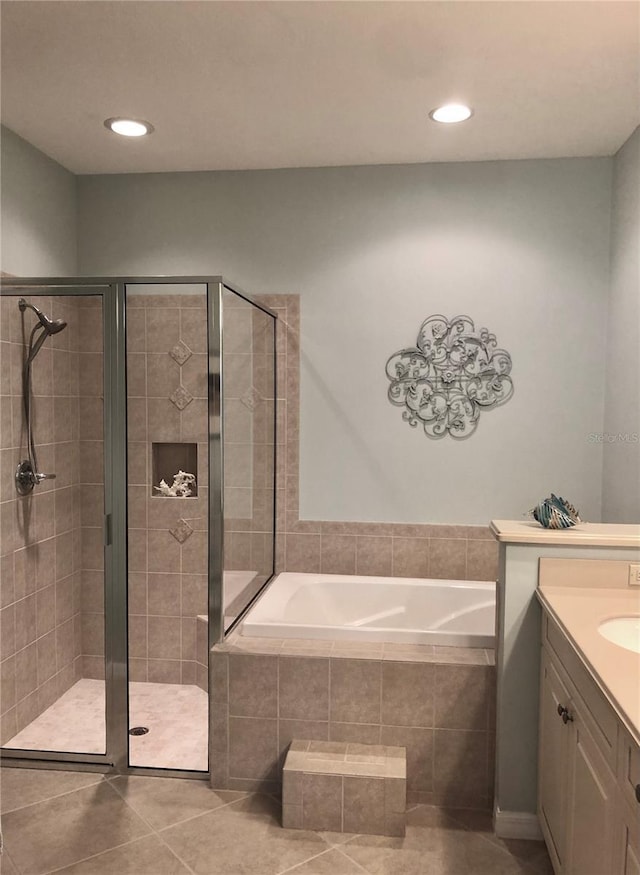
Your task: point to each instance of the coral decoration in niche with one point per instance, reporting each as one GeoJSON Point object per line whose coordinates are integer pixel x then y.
{"type": "Point", "coordinates": [452, 375]}
{"type": "Point", "coordinates": [182, 485]}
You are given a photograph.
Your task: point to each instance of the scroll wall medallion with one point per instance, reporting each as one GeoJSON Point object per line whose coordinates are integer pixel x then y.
{"type": "Point", "coordinates": [452, 375]}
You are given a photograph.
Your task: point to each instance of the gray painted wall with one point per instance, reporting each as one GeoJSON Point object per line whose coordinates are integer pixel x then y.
{"type": "Point", "coordinates": [621, 462]}
{"type": "Point", "coordinates": [38, 209]}
{"type": "Point", "coordinates": [522, 247]}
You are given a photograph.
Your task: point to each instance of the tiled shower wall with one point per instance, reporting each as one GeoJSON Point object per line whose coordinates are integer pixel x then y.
{"type": "Point", "coordinates": [44, 633]}
{"type": "Point", "coordinates": [167, 403]}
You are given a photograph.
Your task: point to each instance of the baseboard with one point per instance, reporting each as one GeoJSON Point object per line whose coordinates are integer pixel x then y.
{"type": "Point", "coordinates": [516, 825]}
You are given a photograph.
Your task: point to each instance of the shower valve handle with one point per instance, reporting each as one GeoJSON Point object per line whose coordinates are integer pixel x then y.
{"type": "Point", "coordinates": [26, 478]}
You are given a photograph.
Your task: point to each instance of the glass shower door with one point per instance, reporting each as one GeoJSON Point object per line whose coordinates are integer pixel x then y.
{"type": "Point", "coordinates": [52, 506]}
{"type": "Point", "coordinates": [248, 450]}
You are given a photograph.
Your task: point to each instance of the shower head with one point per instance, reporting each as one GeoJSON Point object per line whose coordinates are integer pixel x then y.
{"type": "Point", "coordinates": [51, 326]}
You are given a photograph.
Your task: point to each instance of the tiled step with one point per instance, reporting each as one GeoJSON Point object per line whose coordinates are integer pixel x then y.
{"type": "Point", "coordinates": [355, 788]}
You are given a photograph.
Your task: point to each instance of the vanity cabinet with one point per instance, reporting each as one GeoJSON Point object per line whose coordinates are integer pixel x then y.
{"type": "Point", "coordinates": [584, 799]}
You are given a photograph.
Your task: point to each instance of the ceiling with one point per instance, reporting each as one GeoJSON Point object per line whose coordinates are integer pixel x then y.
{"type": "Point", "coordinates": [238, 85]}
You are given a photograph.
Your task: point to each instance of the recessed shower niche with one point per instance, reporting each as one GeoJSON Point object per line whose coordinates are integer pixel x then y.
{"type": "Point", "coordinates": [173, 465]}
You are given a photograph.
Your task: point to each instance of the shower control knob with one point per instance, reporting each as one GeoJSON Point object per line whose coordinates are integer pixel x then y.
{"type": "Point", "coordinates": [26, 478]}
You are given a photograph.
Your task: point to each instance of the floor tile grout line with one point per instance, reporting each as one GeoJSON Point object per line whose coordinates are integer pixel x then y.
{"type": "Point", "coordinates": [492, 839]}
{"type": "Point", "coordinates": [154, 831]}
{"type": "Point", "coordinates": [347, 857]}
{"type": "Point", "coordinates": [7, 853]}
{"type": "Point", "coordinates": [99, 854]}
{"type": "Point", "coordinates": [326, 850]}
{"type": "Point", "coordinates": [56, 795]}
{"type": "Point", "coordinates": [210, 810]}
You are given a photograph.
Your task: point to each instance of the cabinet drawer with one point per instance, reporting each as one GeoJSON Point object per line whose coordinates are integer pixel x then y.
{"type": "Point", "coordinates": [629, 771]}
{"type": "Point", "coordinates": [604, 723]}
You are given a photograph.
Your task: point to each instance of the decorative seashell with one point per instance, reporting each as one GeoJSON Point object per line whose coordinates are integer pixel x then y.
{"type": "Point", "coordinates": [555, 513]}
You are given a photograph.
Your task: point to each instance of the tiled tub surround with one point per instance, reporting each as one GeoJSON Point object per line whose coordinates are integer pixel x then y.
{"type": "Point", "coordinates": [50, 574]}
{"type": "Point", "coordinates": [438, 703]}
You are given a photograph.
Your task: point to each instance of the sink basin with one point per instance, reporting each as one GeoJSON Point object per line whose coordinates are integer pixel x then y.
{"type": "Point", "coordinates": [623, 631]}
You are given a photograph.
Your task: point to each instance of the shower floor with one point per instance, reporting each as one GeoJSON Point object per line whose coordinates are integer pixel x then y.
{"type": "Point", "coordinates": [176, 715]}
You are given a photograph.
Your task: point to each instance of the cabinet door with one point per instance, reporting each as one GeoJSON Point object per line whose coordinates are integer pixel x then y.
{"type": "Point", "coordinates": [554, 747]}
{"type": "Point", "coordinates": [631, 854]}
{"type": "Point", "coordinates": [591, 805]}
{"type": "Point", "coordinates": [629, 840]}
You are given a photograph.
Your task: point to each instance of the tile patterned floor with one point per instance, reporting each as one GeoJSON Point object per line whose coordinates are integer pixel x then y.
{"type": "Point", "coordinates": [176, 715]}
{"type": "Point", "coordinates": [86, 824]}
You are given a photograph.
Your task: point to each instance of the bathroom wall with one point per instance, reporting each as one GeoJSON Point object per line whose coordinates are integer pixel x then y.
{"type": "Point", "coordinates": [522, 247]}
{"type": "Point", "coordinates": [347, 547]}
{"type": "Point", "coordinates": [621, 463]}
{"type": "Point", "coordinates": [38, 210]}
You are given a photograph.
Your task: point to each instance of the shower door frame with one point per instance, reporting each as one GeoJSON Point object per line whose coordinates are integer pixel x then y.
{"type": "Point", "coordinates": [114, 437]}
{"type": "Point", "coordinates": [113, 291]}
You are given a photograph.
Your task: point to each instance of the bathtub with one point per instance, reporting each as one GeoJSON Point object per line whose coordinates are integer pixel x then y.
{"type": "Point", "coordinates": [459, 613]}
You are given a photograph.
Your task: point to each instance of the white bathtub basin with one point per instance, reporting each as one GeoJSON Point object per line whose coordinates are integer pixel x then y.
{"type": "Point", "coordinates": [457, 613]}
{"type": "Point", "coordinates": [623, 631]}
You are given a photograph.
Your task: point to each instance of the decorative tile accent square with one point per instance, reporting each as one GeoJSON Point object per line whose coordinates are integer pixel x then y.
{"type": "Point", "coordinates": [251, 398]}
{"type": "Point", "coordinates": [181, 397]}
{"type": "Point", "coordinates": [181, 531]}
{"type": "Point", "coordinates": [180, 353]}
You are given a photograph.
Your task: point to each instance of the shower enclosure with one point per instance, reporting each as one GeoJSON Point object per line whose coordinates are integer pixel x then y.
{"type": "Point", "coordinates": [137, 511]}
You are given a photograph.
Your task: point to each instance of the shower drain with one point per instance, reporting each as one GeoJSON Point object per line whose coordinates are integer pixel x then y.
{"type": "Point", "coordinates": [139, 730]}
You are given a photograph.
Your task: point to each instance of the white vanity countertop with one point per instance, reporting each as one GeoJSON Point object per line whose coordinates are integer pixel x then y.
{"type": "Point", "coordinates": [584, 534]}
{"type": "Point", "coordinates": [579, 611]}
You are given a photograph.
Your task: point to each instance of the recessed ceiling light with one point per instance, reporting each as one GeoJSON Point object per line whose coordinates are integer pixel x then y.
{"type": "Point", "coordinates": [128, 127]}
{"type": "Point", "coordinates": [451, 113]}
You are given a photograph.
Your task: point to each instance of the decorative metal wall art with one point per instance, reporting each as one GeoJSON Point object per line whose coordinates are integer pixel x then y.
{"type": "Point", "coordinates": [451, 376]}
